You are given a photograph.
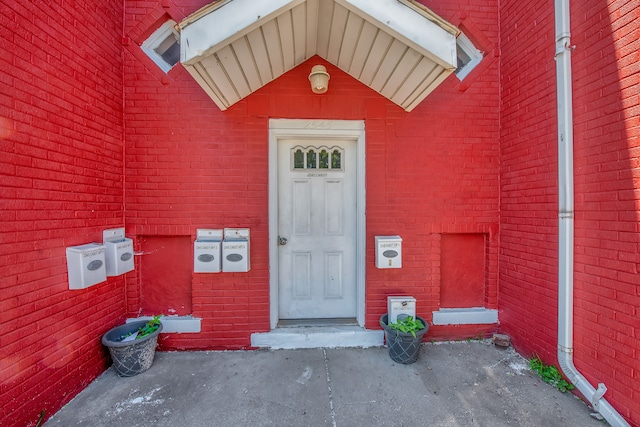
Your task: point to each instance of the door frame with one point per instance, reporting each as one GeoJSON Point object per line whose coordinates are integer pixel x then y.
{"type": "Point", "coordinates": [300, 128]}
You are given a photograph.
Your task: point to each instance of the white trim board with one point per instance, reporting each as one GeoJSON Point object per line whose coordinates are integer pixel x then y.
{"type": "Point", "coordinates": [465, 316]}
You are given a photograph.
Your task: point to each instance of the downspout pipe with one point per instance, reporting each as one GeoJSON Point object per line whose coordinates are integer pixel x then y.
{"type": "Point", "coordinates": [566, 222]}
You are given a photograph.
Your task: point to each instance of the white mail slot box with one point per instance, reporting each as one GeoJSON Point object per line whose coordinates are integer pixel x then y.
{"type": "Point", "coordinates": [235, 250]}
{"type": "Point", "coordinates": [118, 252]}
{"type": "Point", "coordinates": [119, 257]}
{"type": "Point", "coordinates": [388, 252]}
{"type": "Point", "coordinates": [398, 306]}
{"type": "Point", "coordinates": [207, 250]}
{"type": "Point", "coordinates": [86, 265]}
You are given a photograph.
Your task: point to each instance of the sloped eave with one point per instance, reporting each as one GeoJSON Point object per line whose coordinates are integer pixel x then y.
{"type": "Point", "coordinates": [399, 48]}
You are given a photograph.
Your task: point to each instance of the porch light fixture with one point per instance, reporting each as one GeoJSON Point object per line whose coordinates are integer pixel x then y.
{"type": "Point", "coordinates": [319, 79]}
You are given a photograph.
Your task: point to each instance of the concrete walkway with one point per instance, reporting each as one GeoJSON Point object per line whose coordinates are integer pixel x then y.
{"type": "Point", "coordinates": [452, 384]}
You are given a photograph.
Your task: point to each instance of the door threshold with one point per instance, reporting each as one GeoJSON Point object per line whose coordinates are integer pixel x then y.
{"type": "Point", "coordinates": [305, 323]}
{"type": "Point", "coordinates": [327, 336]}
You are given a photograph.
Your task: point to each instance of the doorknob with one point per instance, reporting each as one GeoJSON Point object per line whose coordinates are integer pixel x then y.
{"type": "Point", "coordinates": [282, 241]}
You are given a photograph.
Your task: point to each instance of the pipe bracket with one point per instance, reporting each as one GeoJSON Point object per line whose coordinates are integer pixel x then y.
{"type": "Point", "coordinates": [563, 45]}
{"type": "Point", "coordinates": [595, 400]}
{"type": "Point", "coordinates": [568, 350]}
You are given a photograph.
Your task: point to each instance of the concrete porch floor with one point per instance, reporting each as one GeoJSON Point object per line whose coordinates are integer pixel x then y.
{"type": "Point", "coordinates": [451, 384]}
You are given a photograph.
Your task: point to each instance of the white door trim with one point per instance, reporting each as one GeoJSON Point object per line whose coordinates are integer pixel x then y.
{"type": "Point", "coordinates": [294, 128]}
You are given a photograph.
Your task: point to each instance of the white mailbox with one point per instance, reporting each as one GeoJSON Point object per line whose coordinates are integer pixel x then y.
{"type": "Point", "coordinates": [235, 250]}
{"type": "Point", "coordinates": [400, 307]}
{"type": "Point", "coordinates": [118, 252]}
{"type": "Point", "coordinates": [86, 265]}
{"type": "Point", "coordinates": [388, 252]}
{"type": "Point", "coordinates": [207, 251]}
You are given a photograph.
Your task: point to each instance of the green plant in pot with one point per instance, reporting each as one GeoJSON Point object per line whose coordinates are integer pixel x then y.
{"type": "Point", "coordinates": [404, 337]}
{"type": "Point", "coordinates": [132, 346]}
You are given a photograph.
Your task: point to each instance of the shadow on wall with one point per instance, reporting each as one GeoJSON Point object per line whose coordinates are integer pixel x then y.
{"type": "Point", "coordinates": [607, 183]}
{"type": "Point", "coordinates": [607, 196]}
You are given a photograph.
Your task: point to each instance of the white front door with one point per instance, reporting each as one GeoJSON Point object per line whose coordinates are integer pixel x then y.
{"type": "Point", "coordinates": [317, 223]}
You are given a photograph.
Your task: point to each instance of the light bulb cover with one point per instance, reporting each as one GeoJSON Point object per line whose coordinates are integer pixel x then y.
{"type": "Point", "coordinates": [319, 79]}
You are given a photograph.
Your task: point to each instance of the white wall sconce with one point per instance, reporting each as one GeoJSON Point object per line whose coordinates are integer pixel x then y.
{"type": "Point", "coordinates": [319, 79]}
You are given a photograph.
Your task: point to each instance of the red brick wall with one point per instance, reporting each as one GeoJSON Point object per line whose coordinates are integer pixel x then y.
{"type": "Point", "coordinates": [607, 190]}
{"type": "Point", "coordinates": [61, 164]}
{"type": "Point", "coordinates": [528, 177]}
{"type": "Point", "coordinates": [462, 264]}
{"type": "Point", "coordinates": [189, 166]}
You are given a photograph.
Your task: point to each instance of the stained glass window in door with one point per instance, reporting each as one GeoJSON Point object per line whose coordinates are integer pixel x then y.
{"type": "Point", "coordinates": [336, 159]}
{"type": "Point", "coordinates": [312, 157]}
{"type": "Point", "coordinates": [324, 159]}
{"type": "Point", "coordinates": [298, 159]}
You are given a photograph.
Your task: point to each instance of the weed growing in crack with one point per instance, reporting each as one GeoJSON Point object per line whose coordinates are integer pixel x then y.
{"type": "Point", "coordinates": [550, 374]}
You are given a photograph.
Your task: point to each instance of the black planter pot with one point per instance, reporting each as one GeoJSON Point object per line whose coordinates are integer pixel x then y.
{"type": "Point", "coordinates": [131, 357]}
{"type": "Point", "coordinates": [403, 346]}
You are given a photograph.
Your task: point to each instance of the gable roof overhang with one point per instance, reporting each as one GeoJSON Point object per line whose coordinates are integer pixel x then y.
{"type": "Point", "coordinates": [399, 48]}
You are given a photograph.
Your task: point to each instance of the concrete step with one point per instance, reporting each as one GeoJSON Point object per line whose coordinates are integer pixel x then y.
{"type": "Point", "coordinates": [318, 337]}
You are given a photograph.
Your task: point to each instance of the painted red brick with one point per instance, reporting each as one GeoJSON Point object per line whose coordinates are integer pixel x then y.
{"type": "Point", "coordinates": [606, 190]}
{"type": "Point", "coordinates": [463, 270]}
{"type": "Point", "coordinates": [209, 169]}
{"type": "Point", "coordinates": [478, 157]}
{"type": "Point", "coordinates": [61, 170]}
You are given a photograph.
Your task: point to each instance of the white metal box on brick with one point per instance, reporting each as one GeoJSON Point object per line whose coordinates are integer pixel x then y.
{"type": "Point", "coordinates": [207, 251]}
{"type": "Point", "coordinates": [118, 252]}
{"type": "Point", "coordinates": [86, 265]}
{"type": "Point", "coordinates": [388, 252]}
{"type": "Point", "coordinates": [235, 250]}
{"type": "Point", "coordinates": [400, 307]}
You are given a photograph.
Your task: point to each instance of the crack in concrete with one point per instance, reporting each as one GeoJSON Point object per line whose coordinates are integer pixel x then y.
{"type": "Point", "coordinates": [333, 412]}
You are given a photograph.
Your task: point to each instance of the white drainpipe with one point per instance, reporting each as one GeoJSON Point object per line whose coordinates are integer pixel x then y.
{"type": "Point", "coordinates": [566, 222]}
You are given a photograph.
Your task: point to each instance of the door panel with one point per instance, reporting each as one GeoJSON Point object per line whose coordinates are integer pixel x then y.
{"type": "Point", "coordinates": [333, 277]}
{"type": "Point", "coordinates": [301, 208]}
{"type": "Point", "coordinates": [301, 285]}
{"type": "Point", "coordinates": [317, 217]}
{"type": "Point", "coordinates": [333, 209]}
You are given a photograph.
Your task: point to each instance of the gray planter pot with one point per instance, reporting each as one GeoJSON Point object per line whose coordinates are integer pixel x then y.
{"type": "Point", "coordinates": [403, 347]}
{"type": "Point", "coordinates": [131, 357]}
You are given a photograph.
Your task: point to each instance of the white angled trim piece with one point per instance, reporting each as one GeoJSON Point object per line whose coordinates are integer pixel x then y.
{"type": "Point", "coordinates": [232, 20]}
{"type": "Point", "coordinates": [429, 37]}
{"type": "Point", "coordinates": [154, 42]}
{"type": "Point", "coordinates": [465, 316]}
{"type": "Point", "coordinates": [175, 324]}
{"type": "Point", "coordinates": [475, 56]}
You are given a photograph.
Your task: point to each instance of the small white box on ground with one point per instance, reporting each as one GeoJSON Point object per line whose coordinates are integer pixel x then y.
{"type": "Point", "coordinates": [86, 265]}
{"type": "Point", "coordinates": [388, 252]}
{"type": "Point", "coordinates": [118, 252]}
{"type": "Point", "coordinates": [399, 306]}
{"type": "Point", "coordinates": [207, 251]}
{"type": "Point", "coordinates": [235, 250]}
